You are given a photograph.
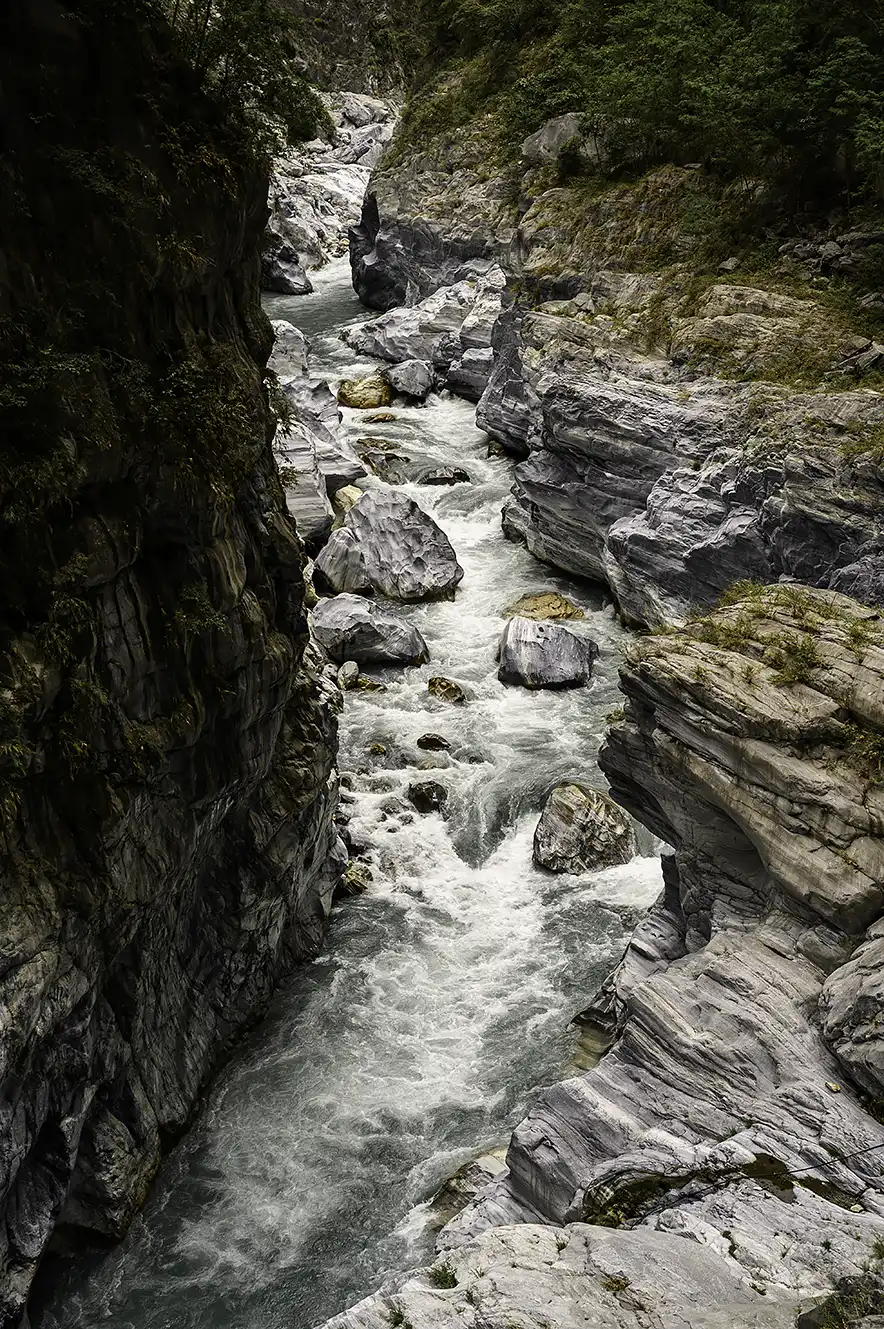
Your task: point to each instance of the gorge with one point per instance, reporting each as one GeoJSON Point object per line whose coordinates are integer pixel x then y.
{"type": "Point", "coordinates": [561, 478]}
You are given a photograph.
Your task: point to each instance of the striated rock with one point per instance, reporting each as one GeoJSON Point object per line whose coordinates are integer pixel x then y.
{"type": "Point", "coordinates": [667, 485]}
{"type": "Point", "coordinates": [168, 820]}
{"type": "Point", "coordinates": [543, 605]}
{"type": "Point", "coordinates": [446, 690]}
{"type": "Point", "coordinates": [364, 394]}
{"type": "Point", "coordinates": [290, 354]}
{"type": "Point", "coordinates": [580, 1278]}
{"type": "Point", "coordinates": [469, 375]}
{"type": "Point", "coordinates": [719, 1115]}
{"type": "Point", "coordinates": [428, 796]}
{"type": "Point", "coordinates": [388, 545]}
{"type": "Point", "coordinates": [305, 488]}
{"type": "Point", "coordinates": [350, 628]}
{"type": "Point", "coordinates": [543, 655]}
{"type": "Point", "coordinates": [412, 378]}
{"type": "Point", "coordinates": [582, 830]}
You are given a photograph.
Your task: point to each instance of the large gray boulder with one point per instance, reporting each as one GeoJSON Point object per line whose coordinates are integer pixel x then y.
{"type": "Point", "coordinates": [544, 655]}
{"type": "Point", "coordinates": [412, 378]}
{"type": "Point", "coordinates": [582, 830]}
{"type": "Point", "coordinates": [389, 546]}
{"type": "Point", "coordinates": [349, 627]}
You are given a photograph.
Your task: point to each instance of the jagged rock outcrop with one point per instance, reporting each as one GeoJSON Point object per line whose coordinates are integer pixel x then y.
{"type": "Point", "coordinates": [735, 1116]}
{"type": "Point", "coordinates": [389, 546]}
{"type": "Point", "coordinates": [168, 791]}
{"type": "Point", "coordinates": [450, 329]}
{"type": "Point", "coordinates": [667, 483]}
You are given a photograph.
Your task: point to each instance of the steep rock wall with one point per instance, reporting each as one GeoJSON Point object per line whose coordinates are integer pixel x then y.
{"type": "Point", "coordinates": [168, 790]}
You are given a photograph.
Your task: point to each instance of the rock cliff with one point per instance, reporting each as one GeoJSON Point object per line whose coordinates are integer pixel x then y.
{"type": "Point", "coordinates": [167, 786]}
{"type": "Point", "coordinates": [727, 1151]}
{"type": "Point", "coordinates": [684, 419]}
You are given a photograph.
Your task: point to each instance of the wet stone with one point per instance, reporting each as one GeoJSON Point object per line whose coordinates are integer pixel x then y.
{"type": "Point", "coordinates": [446, 690]}
{"type": "Point", "coordinates": [433, 743]}
{"type": "Point", "coordinates": [428, 796]}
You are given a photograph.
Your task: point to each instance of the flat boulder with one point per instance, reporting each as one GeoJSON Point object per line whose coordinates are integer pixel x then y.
{"type": "Point", "coordinates": [412, 378]}
{"type": "Point", "coordinates": [544, 655]}
{"type": "Point", "coordinates": [365, 394]}
{"type": "Point", "coordinates": [349, 627]}
{"type": "Point", "coordinates": [389, 546]}
{"type": "Point", "coordinates": [543, 606]}
{"type": "Point", "coordinates": [582, 830]}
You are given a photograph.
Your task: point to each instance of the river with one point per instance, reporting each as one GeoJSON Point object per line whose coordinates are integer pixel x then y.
{"type": "Point", "coordinates": [442, 1003]}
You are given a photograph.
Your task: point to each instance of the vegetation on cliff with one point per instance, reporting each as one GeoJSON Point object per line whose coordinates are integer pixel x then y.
{"type": "Point", "coordinates": [790, 92]}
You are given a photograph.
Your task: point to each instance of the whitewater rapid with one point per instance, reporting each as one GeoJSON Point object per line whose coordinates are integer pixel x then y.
{"type": "Point", "coordinates": [442, 1003]}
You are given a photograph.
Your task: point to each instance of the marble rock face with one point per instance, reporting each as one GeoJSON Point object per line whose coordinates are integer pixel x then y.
{"type": "Point", "coordinates": [351, 628]}
{"type": "Point", "coordinates": [544, 655]}
{"type": "Point", "coordinates": [582, 830]}
{"type": "Point", "coordinates": [389, 546]}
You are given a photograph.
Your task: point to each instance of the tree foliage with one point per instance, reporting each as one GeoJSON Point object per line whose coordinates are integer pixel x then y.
{"type": "Point", "coordinates": [791, 90]}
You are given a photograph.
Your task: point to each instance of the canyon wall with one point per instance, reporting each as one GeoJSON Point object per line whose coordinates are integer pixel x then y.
{"type": "Point", "coordinates": [168, 786]}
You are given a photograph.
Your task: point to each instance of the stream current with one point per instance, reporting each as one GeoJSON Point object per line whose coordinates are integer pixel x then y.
{"type": "Point", "coordinates": [442, 1002]}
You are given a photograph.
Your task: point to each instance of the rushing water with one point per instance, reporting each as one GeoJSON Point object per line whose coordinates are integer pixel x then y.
{"type": "Point", "coordinates": [443, 1000]}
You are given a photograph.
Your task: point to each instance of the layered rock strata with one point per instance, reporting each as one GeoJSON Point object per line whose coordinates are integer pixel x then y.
{"type": "Point", "coordinates": [167, 765]}
{"type": "Point", "coordinates": [736, 1118]}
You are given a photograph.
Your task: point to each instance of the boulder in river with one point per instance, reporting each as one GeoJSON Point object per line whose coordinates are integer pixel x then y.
{"type": "Point", "coordinates": [428, 796]}
{"type": "Point", "coordinates": [365, 394]}
{"type": "Point", "coordinates": [412, 378]}
{"type": "Point", "coordinates": [433, 743]}
{"type": "Point", "coordinates": [390, 546]}
{"type": "Point", "coordinates": [446, 690]}
{"type": "Point", "coordinates": [444, 475]}
{"type": "Point", "coordinates": [582, 830]}
{"type": "Point", "coordinates": [349, 627]}
{"type": "Point", "coordinates": [544, 655]}
{"type": "Point", "coordinates": [543, 605]}
{"type": "Point", "coordinates": [348, 675]}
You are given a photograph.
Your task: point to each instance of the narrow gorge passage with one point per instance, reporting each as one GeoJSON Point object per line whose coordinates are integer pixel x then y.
{"type": "Point", "coordinates": [442, 1002]}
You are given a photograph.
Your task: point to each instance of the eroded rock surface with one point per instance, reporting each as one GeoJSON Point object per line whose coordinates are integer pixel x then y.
{"type": "Point", "coordinates": [351, 628]}
{"type": "Point", "coordinates": [390, 546]}
{"type": "Point", "coordinates": [543, 655]}
{"type": "Point", "coordinates": [582, 830]}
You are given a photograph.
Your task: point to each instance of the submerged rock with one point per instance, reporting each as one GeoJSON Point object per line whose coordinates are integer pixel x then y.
{"type": "Point", "coordinates": [365, 394]}
{"type": "Point", "coordinates": [542, 655]}
{"type": "Point", "coordinates": [543, 605]}
{"type": "Point", "coordinates": [443, 475]}
{"type": "Point", "coordinates": [428, 796]}
{"type": "Point", "coordinates": [349, 627]}
{"type": "Point", "coordinates": [582, 830]}
{"type": "Point", "coordinates": [390, 546]}
{"type": "Point", "coordinates": [446, 690]}
{"type": "Point", "coordinates": [412, 378]}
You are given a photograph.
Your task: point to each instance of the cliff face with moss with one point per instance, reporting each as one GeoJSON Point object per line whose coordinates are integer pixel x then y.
{"type": "Point", "coordinates": [167, 749]}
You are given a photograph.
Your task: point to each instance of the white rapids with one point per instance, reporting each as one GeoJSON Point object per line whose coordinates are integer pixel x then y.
{"type": "Point", "coordinates": [442, 1003]}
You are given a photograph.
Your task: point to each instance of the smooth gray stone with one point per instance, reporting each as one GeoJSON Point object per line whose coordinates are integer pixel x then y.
{"type": "Point", "coordinates": [348, 675]}
{"type": "Point", "coordinates": [306, 494]}
{"type": "Point", "coordinates": [544, 655]}
{"type": "Point", "coordinates": [582, 830]}
{"type": "Point", "coordinates": [350, 627]}
{"type": "Point", "coordinates": [392, 547]}
{"type": "Point", "coordinates": [412, 378]}
{"type": "Point", "coordinates": [468, 377]}
{"type": "Point", "coordinates": [543, 147]}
